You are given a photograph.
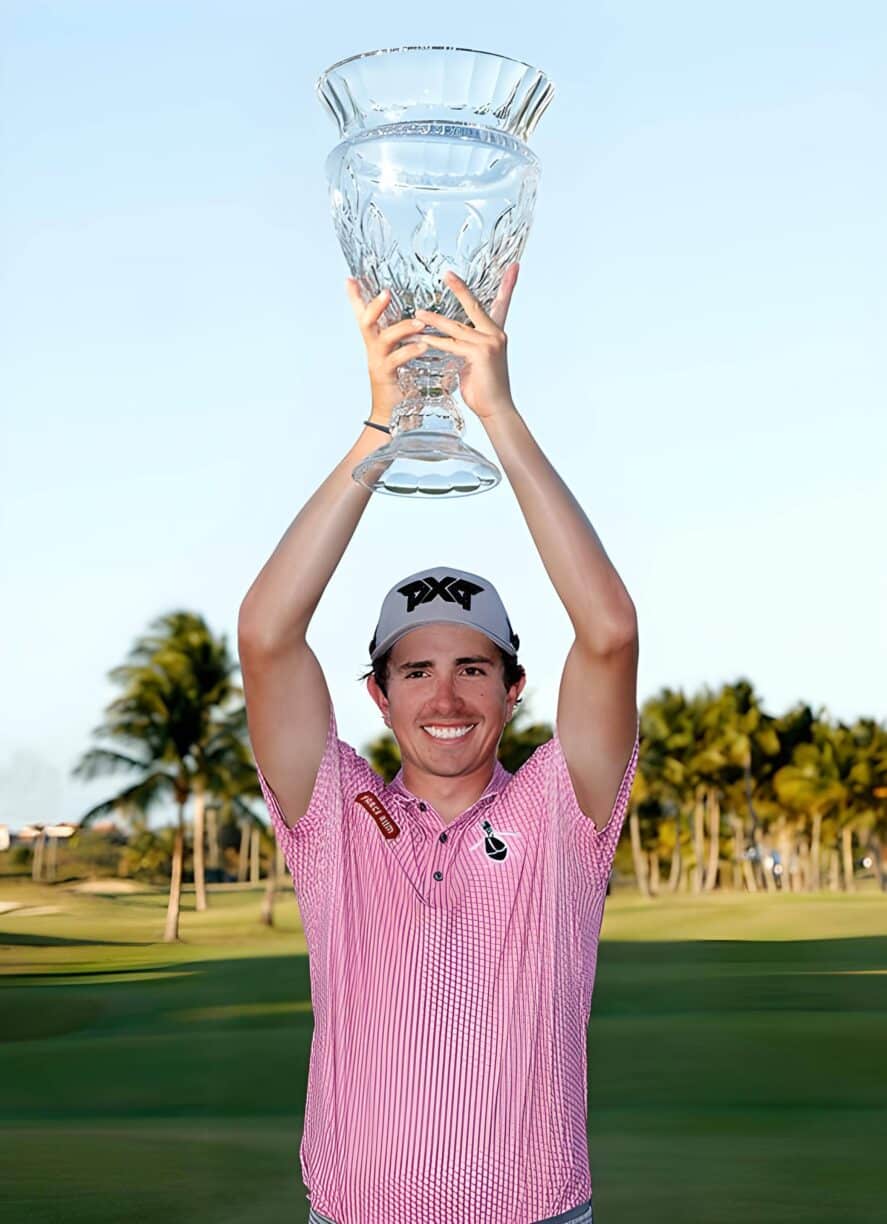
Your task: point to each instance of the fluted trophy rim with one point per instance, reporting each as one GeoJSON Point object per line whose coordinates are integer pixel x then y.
{"type": "Point", "coordinates": [513, 100]}
{"type": "Point", "coordinates": [351, 59]}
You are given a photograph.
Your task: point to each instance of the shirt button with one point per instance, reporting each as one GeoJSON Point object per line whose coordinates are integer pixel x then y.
{"type": "Point", "coordinates": [423, 807]}
{"type": "Point", "coordinates": [438, 875]}
{"type": "Point", "coordinates": [443, 837]}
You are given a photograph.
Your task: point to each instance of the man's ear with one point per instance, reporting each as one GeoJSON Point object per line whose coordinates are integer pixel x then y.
{"type": "Point", "coordinates": [378, 697]}
{"type": "Point", "coordinates": [515, 691]}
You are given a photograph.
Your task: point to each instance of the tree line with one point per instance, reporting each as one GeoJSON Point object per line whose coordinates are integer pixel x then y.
{"type": "Point", "coordinates": [726, 795]}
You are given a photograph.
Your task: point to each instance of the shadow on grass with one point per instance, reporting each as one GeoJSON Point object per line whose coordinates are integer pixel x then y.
{"type": "Point", "coordinates": [705, 1060]}
{"type": "Point", "coordinates": [16, 939]}
{"type": "Point", "coordinates": [740, 977]}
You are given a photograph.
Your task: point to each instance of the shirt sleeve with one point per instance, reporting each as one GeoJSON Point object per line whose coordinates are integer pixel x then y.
{"type": "Point", "coordinates": [311, 846]}
{"type": "Point", "coordinates": [595, 847]}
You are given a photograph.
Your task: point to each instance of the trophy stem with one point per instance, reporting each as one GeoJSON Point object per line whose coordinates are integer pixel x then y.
{"type": "Point", "coordinates": [429, 384]}
{"type": "Point", "coordinates": [426, 455]}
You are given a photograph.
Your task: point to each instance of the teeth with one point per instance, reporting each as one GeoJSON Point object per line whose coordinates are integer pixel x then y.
{"type": "Point", "coordinates": [449, 732]}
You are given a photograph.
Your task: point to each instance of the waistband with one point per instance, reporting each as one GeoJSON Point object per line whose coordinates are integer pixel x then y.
{"type": "Point", "coordinates": [576, 1215]}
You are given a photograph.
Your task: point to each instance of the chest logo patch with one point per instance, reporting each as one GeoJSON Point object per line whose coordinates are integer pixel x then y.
{"type": "Point", "coordinates": [494, 847]}
{"type": "Point", "coordinates": [379, 812]}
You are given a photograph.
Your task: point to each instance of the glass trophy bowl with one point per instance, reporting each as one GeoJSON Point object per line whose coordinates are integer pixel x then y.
{"type": "Point", "coordinates": [432, 174]}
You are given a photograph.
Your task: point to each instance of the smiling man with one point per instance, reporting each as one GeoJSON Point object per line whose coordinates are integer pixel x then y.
{"type": "Point", "coordinates": [446, 679]}
{"type": "Point", "coordinates": [451, 917]}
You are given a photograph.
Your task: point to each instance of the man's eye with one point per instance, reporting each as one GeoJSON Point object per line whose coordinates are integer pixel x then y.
{"type": "Point", "coordinates": [477, 670]}
{"type": "Point", "coordinates": [410, 675]}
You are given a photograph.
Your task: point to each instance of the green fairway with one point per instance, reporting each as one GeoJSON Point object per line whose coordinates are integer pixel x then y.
{"type": "Point", "coordinates": [735, 1060]}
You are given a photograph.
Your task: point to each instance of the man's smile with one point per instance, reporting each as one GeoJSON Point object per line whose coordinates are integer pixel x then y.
{"type": "Point", "coordinates": [448, 731]}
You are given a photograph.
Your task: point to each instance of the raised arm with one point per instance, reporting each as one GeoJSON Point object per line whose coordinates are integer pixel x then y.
{"type": "Point", "coordinates": [597, 708]}
{"type": "Point", "coordinates": [287, 700]}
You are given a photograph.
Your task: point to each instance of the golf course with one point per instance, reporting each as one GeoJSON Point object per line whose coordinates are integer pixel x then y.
{"type": "Point", "coordinates": [736, 1058]}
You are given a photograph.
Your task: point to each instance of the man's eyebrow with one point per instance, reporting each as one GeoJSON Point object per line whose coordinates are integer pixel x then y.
{"type": "Point", "coordinates": [430, 662]}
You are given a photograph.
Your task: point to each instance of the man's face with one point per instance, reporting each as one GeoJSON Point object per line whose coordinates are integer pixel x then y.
{"type": "Point", "coordinates": [447, 703]}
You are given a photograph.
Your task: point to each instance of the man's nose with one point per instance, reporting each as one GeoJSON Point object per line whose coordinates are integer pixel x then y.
{"type": "Point", "coordinates": [445, 696]}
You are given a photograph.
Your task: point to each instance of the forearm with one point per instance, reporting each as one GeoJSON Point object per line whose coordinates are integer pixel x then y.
{"type": "Point", "coordinates": [281, 601]}
{"type": "Point", "coordinates": [593, 594]}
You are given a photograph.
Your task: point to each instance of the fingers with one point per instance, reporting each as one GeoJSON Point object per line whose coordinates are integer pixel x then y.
{"type": "Point", "coordinates": [499, 309]}
{"type": "Point", "coordinates": [390, 336]}
{"type": "Point", "coordinates": [450, 327]}
{"type": "Point", "coordinates": [404, 353]}
{"type": "Point", "coordinates": [468, 302]}
{"type": "Point", "coordinates": [368, 314]}
{"type": "Point", "coordinates": [462, 348]}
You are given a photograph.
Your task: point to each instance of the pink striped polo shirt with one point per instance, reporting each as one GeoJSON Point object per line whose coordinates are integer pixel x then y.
{"type": "Point", "coordinates": [451, 970]}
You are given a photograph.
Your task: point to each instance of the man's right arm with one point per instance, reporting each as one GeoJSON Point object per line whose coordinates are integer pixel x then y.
{"type": "Point", "coordinates": [287, 700]}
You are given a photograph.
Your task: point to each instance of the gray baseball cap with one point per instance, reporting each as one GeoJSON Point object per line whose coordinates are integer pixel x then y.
{"type": "Point", "coordinates": [447, 596]}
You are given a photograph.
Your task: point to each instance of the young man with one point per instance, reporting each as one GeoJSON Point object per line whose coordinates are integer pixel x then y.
{"type": "Point", "coordinates": [452, 918]}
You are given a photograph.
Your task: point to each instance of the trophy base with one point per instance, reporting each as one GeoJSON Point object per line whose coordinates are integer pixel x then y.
{"type": "Point", "coordinates": [424, 463]}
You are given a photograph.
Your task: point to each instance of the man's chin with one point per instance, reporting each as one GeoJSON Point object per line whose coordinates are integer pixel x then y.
{"type": "Point", "coordinates": [452, 765]}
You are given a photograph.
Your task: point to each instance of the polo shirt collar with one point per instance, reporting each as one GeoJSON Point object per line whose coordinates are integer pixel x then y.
{"type": "Point", "coordinates": [500, 779]}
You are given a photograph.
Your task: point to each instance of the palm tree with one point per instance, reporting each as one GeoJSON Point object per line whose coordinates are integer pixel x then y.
{"type": "Point", "coordinates": [169, 723]}
{"type": "Point", "coordinates": [748, 742]}
{"type": "Point", "coordinates": [812, 787]}
{"type": "Point", "coordinates": [667, 737]}
{"type": "Point", "coordinates": [790, 729]}
{"type": "Point", "coordinates": [643, 827]}
{"type": "Point", "coordinates": [704, 767]}
{"type": "Point", "coordinates": [275, 873]}
{"type": "Point", "coordinates": [862, 758]}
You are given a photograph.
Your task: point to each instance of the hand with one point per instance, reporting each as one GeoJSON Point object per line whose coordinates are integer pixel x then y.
{"type": "Point", "coordinates": [384, 351]}
{"type": "Point", "coordinates": [483, 379]}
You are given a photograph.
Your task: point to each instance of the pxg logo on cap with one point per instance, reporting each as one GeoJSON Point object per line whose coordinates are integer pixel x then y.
{"type": "Point", "coordinates": [448, 588]}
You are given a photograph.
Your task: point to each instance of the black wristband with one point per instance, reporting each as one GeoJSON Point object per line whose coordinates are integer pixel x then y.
{"type": "Point", "coordinates": [373, 425]}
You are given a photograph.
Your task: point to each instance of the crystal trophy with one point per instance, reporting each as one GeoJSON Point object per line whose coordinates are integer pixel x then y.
{"type": "Point", "coordinates": [432, 173]}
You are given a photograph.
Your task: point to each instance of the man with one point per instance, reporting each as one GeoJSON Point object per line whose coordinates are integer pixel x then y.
{"type": "Point", "coordinates": [452, 918]}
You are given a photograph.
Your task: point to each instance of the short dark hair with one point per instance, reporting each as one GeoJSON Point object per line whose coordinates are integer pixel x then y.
{"type": "Point", "coordinates": [512, 670]}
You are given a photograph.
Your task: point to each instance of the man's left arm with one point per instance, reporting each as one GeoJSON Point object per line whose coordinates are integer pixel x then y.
{"type": "Point", "coordinates": [597, 706]}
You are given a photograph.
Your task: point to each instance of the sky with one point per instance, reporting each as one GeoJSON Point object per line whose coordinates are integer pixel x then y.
{"type": "Point", "coordinates": [692, 341]}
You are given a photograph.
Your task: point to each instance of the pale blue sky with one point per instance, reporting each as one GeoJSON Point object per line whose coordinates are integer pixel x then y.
{"type": "Point", "coordinates": [692, 339]}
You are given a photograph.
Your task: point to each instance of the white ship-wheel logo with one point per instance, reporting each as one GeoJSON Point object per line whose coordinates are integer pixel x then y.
{"type": "Point", "coordinates": [494, 847]}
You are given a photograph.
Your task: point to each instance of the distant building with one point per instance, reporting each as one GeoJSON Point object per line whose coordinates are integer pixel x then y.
{"type": "Point", "coordinates": [29, 833]}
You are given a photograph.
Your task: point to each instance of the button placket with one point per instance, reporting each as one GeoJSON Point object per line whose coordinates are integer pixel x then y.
{"type": "Point", "coordinates": [482, 805]}
{"type": "Point", "coordinates": [438, 875]}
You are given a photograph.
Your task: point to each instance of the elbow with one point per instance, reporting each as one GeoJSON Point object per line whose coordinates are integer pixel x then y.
{"type": "Point", "coordinates": [260, 636]}
{"type": "Point", "coordinates": [247, 622]}
{"type": "Point", "coordinates": [620, 638]}
{"type": "Point", "coordinates": [612, 633]}
{"type": "Point", "coordinates": [253, 631]}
